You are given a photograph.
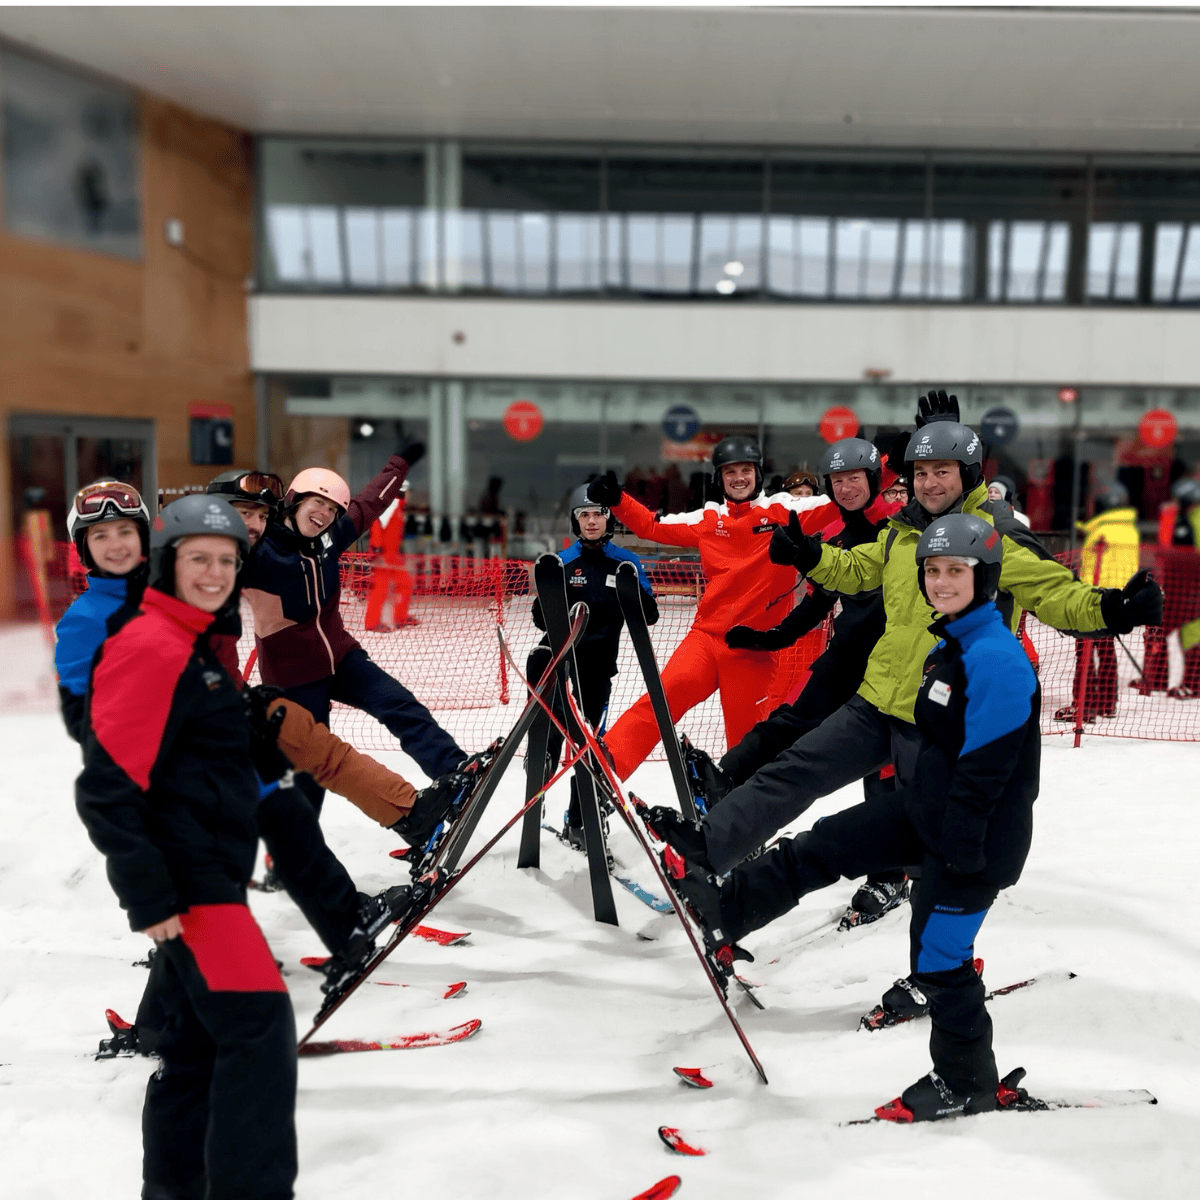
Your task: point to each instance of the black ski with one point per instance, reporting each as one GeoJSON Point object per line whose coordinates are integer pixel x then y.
{"type": "Point", "coordinates": [629, 596]}
{"type": "Point", "coordinates": [441, 877]}
{"type": "Point", "coordinates": [551, 581]}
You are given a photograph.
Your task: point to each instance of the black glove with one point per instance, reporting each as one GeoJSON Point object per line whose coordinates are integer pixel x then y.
{"type": "Point", "coordinates": [411, 452]}
{"type": "Point", "coordinates": [895, 454]}
{"type": "Point", "coordinates": [937, 406]}
{"type": "Point", "coordinates": [792, 547]}
{"type": "Point", "coordinates": [605, 491]}
{"type": "Point", "coordinates": [269, 761]}
{"type": "Point", "coordinates": [1139, 602]}
{"type": "Point", "coordinates": [742, 637]}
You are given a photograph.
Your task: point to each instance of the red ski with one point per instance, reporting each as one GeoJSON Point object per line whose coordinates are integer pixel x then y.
{"type": "Point", "coordinates": [674, 1141]}
{"type": "Point", "coordinates": [664, 1189]}
{"type": "Point", "coordinates": [411, 1041]}
{"type": "Point", "coordinates": [693, 1077]}
{"type": "Point", "coordinates": [441, 936]}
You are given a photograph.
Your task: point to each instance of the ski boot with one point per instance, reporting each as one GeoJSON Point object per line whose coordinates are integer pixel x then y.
{"type": "Point", "coordinates": [270, 881]}
{"type": "Point", "coordinates": [902, 1002]}
{"type": "Point", "coordinates": [438, 806]}
{"type": "Point", "coordinates": [124, 1040]}
{"type": "Point", "coordinates": [1183, 692]}
{"type": "Point", "coordinates": [710, 785]}
{"type": "Point", "coordinates": [872, 901]}
{"type": "Point", "coordinates": [685, 837]}
{"type": "Point", "coordinates": [375, 913]}
{"type": "Point", "coordinates": [932, 1099]}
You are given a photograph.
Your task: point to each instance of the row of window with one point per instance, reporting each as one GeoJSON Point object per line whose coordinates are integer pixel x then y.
{"type": "Point", "coordinates": [706, 254]}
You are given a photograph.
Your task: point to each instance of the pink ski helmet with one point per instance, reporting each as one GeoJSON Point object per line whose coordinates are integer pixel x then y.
{"type": "Point", "coordinates": [318, 481]}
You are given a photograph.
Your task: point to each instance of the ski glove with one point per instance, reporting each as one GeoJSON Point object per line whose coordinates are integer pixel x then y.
{"type": "Point", "coordinates": [936, 406]}
{"type": "Point", "coordinates": [269, 761]}
{"type": "Point", "coordinates": [792, 547]}
{"type": "Point", "coordinates": [411, 452]}
{"type": "Point", "coordinates": [605, 491]}
{"type": "Point", "coordinates": [742, 637]}
{"type": "Point", "coordinates": [1139, 602]}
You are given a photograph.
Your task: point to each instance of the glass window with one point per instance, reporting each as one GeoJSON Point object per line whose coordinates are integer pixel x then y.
{"type": "Point", "coordinates": [70, 158]}
{"type": "Point", "coordinates": [1027, 260]}
{"type": "Point", "coordinates": [345, 214]}
{"type": "Point", "coordinates": [1114, 249]}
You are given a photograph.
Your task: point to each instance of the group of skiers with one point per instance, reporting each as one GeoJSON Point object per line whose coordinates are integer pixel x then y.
{"type": "Point", "coordinates": [923, 691]}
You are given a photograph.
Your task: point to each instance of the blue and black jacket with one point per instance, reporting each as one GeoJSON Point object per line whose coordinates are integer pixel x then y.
{"type": "Point", "coordinates": [978, 709]}
{"type": "Point", "coordinates": [591, 573]}
{"type": "Point", "coordinates": [80, 633]}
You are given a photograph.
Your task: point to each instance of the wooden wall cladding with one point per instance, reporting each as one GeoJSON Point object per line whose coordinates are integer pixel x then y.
{"type": "Point", "coordinates": [86, 333]}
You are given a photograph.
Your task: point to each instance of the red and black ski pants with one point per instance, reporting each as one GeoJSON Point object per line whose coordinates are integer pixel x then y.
{"type": "Point", "coordinates": [219, 1117]}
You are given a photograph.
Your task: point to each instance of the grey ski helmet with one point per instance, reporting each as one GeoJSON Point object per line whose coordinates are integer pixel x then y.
{"type": "Point", "coordinates": [946, 440]}
{"type": "Point", "coordinates": [191, 516]}
{"type": "Point", "coordinates": [1116, 495]}
{"type": "Point", "coordinates": [852, 454]}
{"type": "Point", "coordinates": [960, 535]}
{"type": "Point", "coordinates": [1186, 492]}
{"type": "Point", "coordinates": [738, 448]}
{"type": "Point", "coordinates": [101, 502]}
{"type": "Point", "coordinates": [579, 500]}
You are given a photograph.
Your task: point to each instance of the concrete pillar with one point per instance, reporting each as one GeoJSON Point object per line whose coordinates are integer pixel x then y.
{"type": "Point", "coordinates": [456, 450]}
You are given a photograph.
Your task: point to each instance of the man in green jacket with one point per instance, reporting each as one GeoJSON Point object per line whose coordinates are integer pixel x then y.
{"type": "Point", "coordinates": [944, 460]}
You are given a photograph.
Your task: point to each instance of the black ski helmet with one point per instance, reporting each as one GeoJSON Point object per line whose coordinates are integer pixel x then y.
{"type": "Point", "coordinates": [946, 440]}
{"type": "Point", "coordinates": [738, 448]}
{"type": "Point", "coordinates": [101, 502]}
{"type": "Point", "coordinates": [579, 500]}
{"type": "Point", "coordinates": [961, 535]}
{"type": "Point", "coordinates": [852, 454]}
{"type": "Point", "coordinates": [1186, 492]}
{"type": "Point", "coordinates": [192, 516]}
{"type": "Point", "coordinates": [253, 487]}
{"type": "Point", "coordinates": [1116, 495]}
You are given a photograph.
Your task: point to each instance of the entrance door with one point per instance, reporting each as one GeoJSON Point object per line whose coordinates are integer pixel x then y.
{"type": "Point", "coordinates": [51, 458]}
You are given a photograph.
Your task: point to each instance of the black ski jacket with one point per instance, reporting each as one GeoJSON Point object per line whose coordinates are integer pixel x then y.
{"type": "Point", "coordinates": [168, 791]}
{"type": "Point", "coordinates": [977, 771]}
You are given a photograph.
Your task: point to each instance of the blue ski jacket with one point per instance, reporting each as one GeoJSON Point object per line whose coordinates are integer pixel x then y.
{"type": "Point", "coordinates": [80, 632]}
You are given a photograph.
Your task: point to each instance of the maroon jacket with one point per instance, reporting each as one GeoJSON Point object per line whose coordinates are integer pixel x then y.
{"type": "Point", "coordinates": [294, 588]}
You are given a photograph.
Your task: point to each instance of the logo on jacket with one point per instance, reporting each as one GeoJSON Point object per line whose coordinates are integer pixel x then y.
{"type": "Point", "coordinates": [939, 693]}
{"type": "Point", "coordinates": [212, 679]}
{"type": "Point", "coordinates": [578, 580]}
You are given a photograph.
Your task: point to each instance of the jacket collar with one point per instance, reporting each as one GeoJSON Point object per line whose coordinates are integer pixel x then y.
{"type": "Point", "coordinates": [187, 617]}
{"type": "Point", "coordinates": [108, 585]}
{"type": "Point", "coordinates": [913, 516]}
{"type": "Point", "coordinates": [1114, 516]}
{"type": "Point", "coordinates": [963, 629]}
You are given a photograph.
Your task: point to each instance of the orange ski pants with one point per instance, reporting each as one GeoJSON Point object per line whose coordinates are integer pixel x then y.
{"type": "Point", "coordinates": [701, 664]}
{"type": "Point", "coordinates": [309, 746]}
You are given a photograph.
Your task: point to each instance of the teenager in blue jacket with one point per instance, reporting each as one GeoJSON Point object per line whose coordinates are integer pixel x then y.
{"type": "Point", "coordinates": [966, 819]}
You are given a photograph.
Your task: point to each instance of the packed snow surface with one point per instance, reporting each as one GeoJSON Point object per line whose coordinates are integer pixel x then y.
{"type": "Point", "coordinates": [561, 1093]}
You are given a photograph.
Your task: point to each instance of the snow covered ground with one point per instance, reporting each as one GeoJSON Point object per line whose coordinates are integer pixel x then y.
{"type": "Point", "coordinates": [561, 1092]}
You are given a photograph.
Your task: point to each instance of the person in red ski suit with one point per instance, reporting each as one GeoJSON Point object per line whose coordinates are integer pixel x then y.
{"type": "Point", "coordinates": [391, 584]}
{"type": "Point", "coordinates": [743, 587]}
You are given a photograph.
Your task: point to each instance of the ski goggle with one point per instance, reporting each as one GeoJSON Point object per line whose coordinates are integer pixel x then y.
{"type": "Point", "coordinates": [94, 498]}
{"type": "Point", "coordinates": [596, 509]}
{"type": "Point", "coordinates": [256, 483]}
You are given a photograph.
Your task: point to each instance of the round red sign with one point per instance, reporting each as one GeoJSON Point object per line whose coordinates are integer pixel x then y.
{"type": "Point", "coordinates": [1157, 428]}
{"type": "Point", "coordinates": [837, 423]}
{"type": "Point", "coordinates": [523, 420]}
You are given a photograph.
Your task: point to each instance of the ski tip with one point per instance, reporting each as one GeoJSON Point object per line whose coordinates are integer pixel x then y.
{"type": "Point", "coordinates": [677, 1144]}
{"type": "Point", "coordinates": [115, 1022]}
{"type": "Point", "coordinates": [403, 852]}
{"type": "Point", "coordinates": [441, 936]}
{"type": "Point", "coordinates": [693, 1077]}
{"type": "Point", "coordinates": [314, 961]}
{"type": "Point", "coordinates": [662, 1190]}
{"type": "Point", "coordinates": [455, 989]}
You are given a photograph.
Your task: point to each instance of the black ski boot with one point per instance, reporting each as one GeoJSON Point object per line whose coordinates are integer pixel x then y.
{"type": "Point", "coordinates": [375, 913]}
{"type": "Point", "coordinates": [442, 801]}
{"type": "Point", "coordinates": [932, 1099]}
{"type": "Point", "coordinates": [685, 837]}
{"type": "Point", "coordinates": [873, 900]}
{"type": "Point", "coordinates": [710, 785]}
{"type": "Point", "coordinates": [903, 1001]}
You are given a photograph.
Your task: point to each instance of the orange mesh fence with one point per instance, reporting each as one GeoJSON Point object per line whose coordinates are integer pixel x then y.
{"type": "Point", "coordinates": [1143, 685]}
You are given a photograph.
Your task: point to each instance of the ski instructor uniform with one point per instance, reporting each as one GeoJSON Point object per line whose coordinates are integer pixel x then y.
{"type": "Point", "coordinates": [742, 587]}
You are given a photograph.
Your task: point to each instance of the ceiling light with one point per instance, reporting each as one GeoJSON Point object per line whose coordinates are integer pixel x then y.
{"type": "Point", "coordinates": [734, 268]}
{"type": "Point", "coordinates": [366, 429]}
{"type": "Point", "coordinates": [726, 286]}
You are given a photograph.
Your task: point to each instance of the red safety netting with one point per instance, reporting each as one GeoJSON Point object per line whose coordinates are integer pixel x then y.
{"type": "Point", "coordinates": [1141, 685]}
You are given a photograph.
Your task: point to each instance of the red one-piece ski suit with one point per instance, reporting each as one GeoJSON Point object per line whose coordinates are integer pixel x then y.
{"type": "Point", "coordinates": [742, 587]}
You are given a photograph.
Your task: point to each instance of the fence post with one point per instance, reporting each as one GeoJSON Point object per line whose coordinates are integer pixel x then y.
{"type": "Point", "coordinates": [498, 570]}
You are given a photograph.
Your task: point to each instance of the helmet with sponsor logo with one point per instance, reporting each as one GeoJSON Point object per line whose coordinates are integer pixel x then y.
{"type": "Point", "coordinates": [191, 516]}
{"type": "Point", "coordinates": [852, 454]}
{"type": "Point", "coordinates": [971, 539]}
{"type": "Point", "coordinates": [579, 502]}
{"type": "Point", "coordinates": [251, 487]}
{"type": "Point", "coordinates": [738, 448]}
{"type": "Point", "coordinates": [947, 440]}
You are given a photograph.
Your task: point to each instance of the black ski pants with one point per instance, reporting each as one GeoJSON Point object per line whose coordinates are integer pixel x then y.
{"type": "Point", "coordinates": [219, 1116]}
{"type": "Point", "coordinates": [361, 684]}
{"type": "Point", "coordinates": [947, 912]}
{"type": "Point", "coordinates": [596, 686]}
{"type": "Point", "coordinates": [855, 741]}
